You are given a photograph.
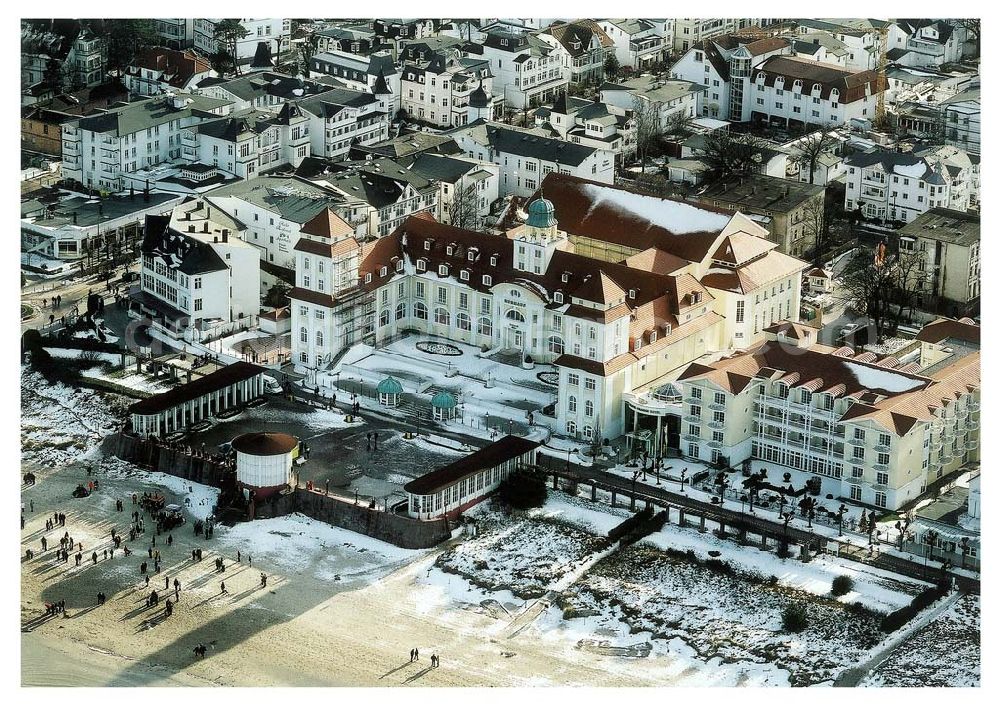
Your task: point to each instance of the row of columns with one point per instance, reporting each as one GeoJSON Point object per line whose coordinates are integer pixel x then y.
{"type": "Point", "coordinates": [190, 412]}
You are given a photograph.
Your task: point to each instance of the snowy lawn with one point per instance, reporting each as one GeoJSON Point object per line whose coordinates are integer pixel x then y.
{"type": "Point", "coordinates": [521, 553]}
{"type": "Point", "coordinates": [735, 618]}
{"type": "Point", "coordinates": [945, 653]}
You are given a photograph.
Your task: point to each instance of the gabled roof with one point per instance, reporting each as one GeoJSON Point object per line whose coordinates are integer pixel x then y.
{"type": "Point", "coordinates": [327, 224]}
{"type": "Point", "coordinates": [600, 289]}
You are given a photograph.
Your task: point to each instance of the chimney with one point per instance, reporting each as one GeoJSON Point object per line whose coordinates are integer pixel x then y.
{"type": "Point", "coordinates": [199, 204]}
{"type": "Point", "coordinates": [191, 228]}
{"type": "Point", "coordinates": [225, 236]}
{"type": "Point", "coordinates": [206, 227]}
{"type": "Point", "coordinates": [215, 240]}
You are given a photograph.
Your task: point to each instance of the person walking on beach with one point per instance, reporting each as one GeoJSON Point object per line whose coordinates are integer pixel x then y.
{"type": "Point", "coordinates": [416, 653]}
{"type": "Point", "coordinates": [263, 580]}
{"type": "Point", "coordinates": [237, 556]}
{"type": "Point", "coordinates": [93, 557]}
{"type": "Point", "coordinates": [166, 582]}
{"type": "Point", "coordinates": [411, 654]}
{"type": "Point", "coordinates": [45, 544]}
{"type": "Point", "coordinates": [31, 504]}
{"type": "Point", "coordinates": [223, 586]}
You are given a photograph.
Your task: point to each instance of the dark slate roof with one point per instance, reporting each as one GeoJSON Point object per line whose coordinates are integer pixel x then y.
{"type": "Point", "coordinates": [191, 256]}
{"type": "Point", "coordinates": [515, 142]}
{"type": "Point", "coordinates": [219, 379]}
{"type": "Point", "coordinates": [441, 167]}
{"type": "Point", "coordinates": [505, 449]}
{"type": "Point", "coordinates": [889, 161]}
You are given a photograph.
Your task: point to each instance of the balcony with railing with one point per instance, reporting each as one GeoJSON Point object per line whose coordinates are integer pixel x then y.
{"type": "Point", "coordinates": [717, 424]}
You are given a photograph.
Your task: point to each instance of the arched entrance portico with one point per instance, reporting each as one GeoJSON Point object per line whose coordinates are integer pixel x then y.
{"type": "Point", "coordinates": [653, 421]}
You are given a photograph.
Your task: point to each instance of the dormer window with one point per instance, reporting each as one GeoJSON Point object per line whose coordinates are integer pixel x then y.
{"type": "Point", "coordinates": [450, 250]}
{"type": "Point", "coordinates": [472, 254]}
{"type": "Point", "coordinates": [442, 270]}
{"type": "Point", "coordinates": [427, 244]}
{"type": "Point", "coordinates": [487, 280]}
{"type": "Point", "coordinates": [368, 278]}
{"type": "Point", "coordinates": [399, 266]}
{"type": "Point", "coordinates": [631, 293]}
{"type": "Point", "coordinates": [565, 277]}
{"type": "Point", "coordinates": [421, 265]}
{"type": "Point", "coordinates": [383, 271]}
{"type": "Point", "coordinates": [558, 297]}
{"type": "Point", "coordinates": [652, 336]}
{"type": "Point", "coordinates": [493, 260]}
{"type": "Point", "coordinates": [464, 275]}
{"type": "Point", "coordinates": [667, 328]}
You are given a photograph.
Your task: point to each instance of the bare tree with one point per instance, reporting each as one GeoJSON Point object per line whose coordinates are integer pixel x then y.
{"type": "Point", "coordinates": [464, 208]}
{"type": "Point", "coordinates": [816, 229]}
{"type": "Point", "coordinates": [972, 26]}
{"type": "Point", "coordinates": [734, 153]}
{"type": "Point", "coordinates": [808, 150]}
{"type": "Point", "coordinates": [679, 124]}
{"type": "Point", "coordinates": [869, 281]}
{"type": "Point", "coordinates": [648, 127]}
{"type": "Point", "coordinates": [306, 51]}
{"type": "Point", "coordinates": [909, 265]}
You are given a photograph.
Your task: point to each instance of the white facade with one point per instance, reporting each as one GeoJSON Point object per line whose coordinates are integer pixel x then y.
{"type": "Point", "coordinates": [898, 187]}
{"type": "Point", "coordinates": [526, 71]}
{"type": "Point", "coordinates": [638, 43]}
{"type": "Point", "coordinates": [276, 32]}
{"type": "Point", "coordinates": [522, 166]}
{"type": "Point", "coordinates": [98, 150]}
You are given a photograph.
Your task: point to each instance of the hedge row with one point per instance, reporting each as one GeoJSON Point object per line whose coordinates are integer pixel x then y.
{"type": "Point", "coordinates": [898, 618]}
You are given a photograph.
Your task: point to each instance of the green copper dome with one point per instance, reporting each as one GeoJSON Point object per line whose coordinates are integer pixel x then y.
{"type": "Point", "coordinates": [443, 400]}
{"type": "Point", "coordinates": [541, 214]}
{"type": "Point", "coordinates": [389, 385]}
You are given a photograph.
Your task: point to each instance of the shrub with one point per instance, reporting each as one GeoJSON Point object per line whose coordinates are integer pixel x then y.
{"type": "Point", "coordinates": [794, 618]}
{"type": "Point", "coordinates": [841, 585]}
{"type": "Point", "coordinates": [522, 491]}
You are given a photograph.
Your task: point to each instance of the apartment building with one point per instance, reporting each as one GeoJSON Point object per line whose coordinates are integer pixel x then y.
{"type": "Point", "coordinates": [689, 32]}
{"type": "Point", "coordinates": [375, 73]}
{"type": "Point", "coordinates": [638, 43]}
{"type": "Point", "coordinates": [196, 270]}
{"type": "Point", "coordinates": [671, 98]}
{"type": "Point", "coordinates": [177, 33]}
{"type": "Point", "coordinates": [342, 118]}
{"type": "Point", "coordinates": [440, 90]}
{"type": "Point", "coordinates": [525, 157]}
{"type": "Point", "coordinates": [592, 123]}
{"type": "Point", "coordinates": [876, 432]}
{"type": "Point", "coordinates": [276, 32]}
{"type": "Point", "coordinates": [901, 186]}
{"type": "Point", "coordinates": [947, 278]}
{"type": "Point", "coordinates": [526, 69]}
{"type": "Point", "coordinates": [926, 42]}
{"type": "Point", "coordinates": [467, 189]}
{"type": "Point", "coordinates": [354, 39]}
{"type": "Point", "coordinates": [724, 66]}
{"type": "Point", "coordinates": [581, 47]}
{"type": "Point", "coordinates": [247, 142]}
{"type": "Point", "coordinates": [157, 70]}
{"type": "Point", "coordinates": [80, 54]}
{"type": "Point", "coordinates": [855, 43]}
{"type": "Point", "coordinates": [378, 194]}
{"type": "Point", "coordinates": [99, 150]}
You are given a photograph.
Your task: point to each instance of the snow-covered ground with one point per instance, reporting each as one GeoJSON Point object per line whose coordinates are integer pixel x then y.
{"type": "Point", "coordinates": [523, 553]}
{"type": "Point", "coordinates": [945, 653]}
{"type": "Point", "coordinates": [882, 591]}
{"type": "Point", "coordinates": [722, 616]}
{"type": "Point", "coordinates": [60, 425]}
{"type": "Point", "coordinates": [298, 544]}
{"type": "Point", "coordinates": [128, 378]}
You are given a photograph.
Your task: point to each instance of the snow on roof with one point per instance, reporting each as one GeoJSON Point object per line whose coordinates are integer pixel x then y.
{"type": "Point", "coordinates": [916, 170]}
{"type": "Point", "coordinates": [883, 380]}
{"type": "Point", "coordinates": [676, 217]}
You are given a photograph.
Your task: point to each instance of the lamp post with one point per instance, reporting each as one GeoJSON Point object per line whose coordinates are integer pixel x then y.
{"type": "Point", "coordinates": [840, 519]}
{"type": "Point", "coordinates": [568, 454]}
{"type": "Point", "coordinates": [684, 478]}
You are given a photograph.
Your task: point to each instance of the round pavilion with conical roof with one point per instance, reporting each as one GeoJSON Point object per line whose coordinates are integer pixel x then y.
{"type": "Point", "coordinates": [389, 390]}
{"type": "Point", "coordinates": [443, 405]}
